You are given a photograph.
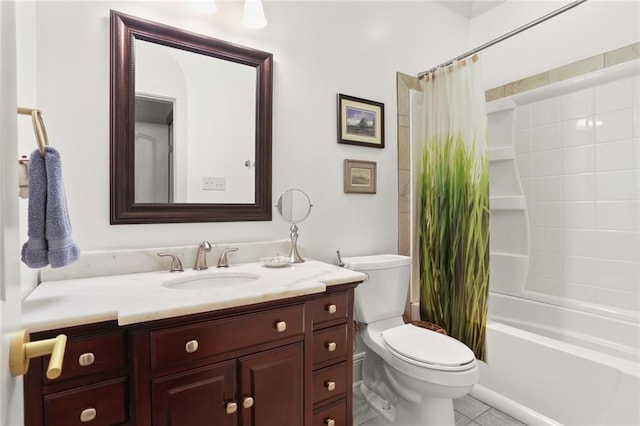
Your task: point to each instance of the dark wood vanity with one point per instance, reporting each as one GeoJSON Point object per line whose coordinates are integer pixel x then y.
{"type": "Point", "coordinates": [284, 363]}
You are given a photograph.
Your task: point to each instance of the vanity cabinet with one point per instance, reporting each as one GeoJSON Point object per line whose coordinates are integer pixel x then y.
{"type": "Point", "coordinates": [278, 363]}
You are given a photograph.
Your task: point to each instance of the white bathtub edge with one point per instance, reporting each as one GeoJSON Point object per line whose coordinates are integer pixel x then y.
{"type": "Point", "coordinates": [510, 407]}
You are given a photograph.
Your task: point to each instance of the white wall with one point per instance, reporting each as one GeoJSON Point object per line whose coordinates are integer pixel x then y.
{"type": "Point", "coordinates": [320, 49]}
{"type": "Point", "coordinates": [591, 28]}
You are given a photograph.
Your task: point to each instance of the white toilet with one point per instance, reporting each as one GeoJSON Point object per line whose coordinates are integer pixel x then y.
{"type": "Point", "coordinates": [410, 374]}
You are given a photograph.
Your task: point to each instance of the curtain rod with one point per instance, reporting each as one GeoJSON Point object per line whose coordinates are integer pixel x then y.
{"type": "Point", "coordinates": [506, 36]}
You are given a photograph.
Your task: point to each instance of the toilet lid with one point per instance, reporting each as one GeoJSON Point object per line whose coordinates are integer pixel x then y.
{"type": "Point", "coordinates": [425, 347]}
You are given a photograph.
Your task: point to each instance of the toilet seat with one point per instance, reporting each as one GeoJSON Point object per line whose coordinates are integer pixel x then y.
{"type": "Point", "coordinates": [428, 349]}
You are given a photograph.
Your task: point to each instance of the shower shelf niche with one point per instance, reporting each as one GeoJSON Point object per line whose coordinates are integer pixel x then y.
{"type": "Point", "coordinates": [508, 202]}
{"type": "Point", "coordinates": [509, 220]}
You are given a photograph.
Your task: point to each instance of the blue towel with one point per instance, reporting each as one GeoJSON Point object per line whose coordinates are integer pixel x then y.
{"type": "Point", "coordinates": [62, 249]}
{"type": "Point", "coordinates": [34, 251]}
{"type": "Point", "coordinates": [50, 216]}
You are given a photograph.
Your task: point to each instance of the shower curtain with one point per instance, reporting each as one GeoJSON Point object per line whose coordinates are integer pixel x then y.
{"type": "Point", "coordinates": [453, 204]}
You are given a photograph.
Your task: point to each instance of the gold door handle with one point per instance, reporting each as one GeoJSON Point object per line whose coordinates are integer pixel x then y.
{"type": "Point", "coordinates": [281, 326]}
{"type": "Point", "coordinates": [247, 402]}
{"type": "Point", "coordinates": [329, 422]}
{"type": "Point", "coordinates": [22, 350]}
{"type": "Point", "coordinates": [231, 407]}
{"type": "Point", "coordinates": [331, 346]}
{"type": "Point", "coordinates": [330, 385]}
{"type": "Point", "coordinates": [331, 309]}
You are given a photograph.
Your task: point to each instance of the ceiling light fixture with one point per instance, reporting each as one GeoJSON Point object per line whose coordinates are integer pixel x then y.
{"type": "Point", "coordinates": [253, 16]}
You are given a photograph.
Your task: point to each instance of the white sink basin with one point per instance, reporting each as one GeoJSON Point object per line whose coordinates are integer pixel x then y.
{"type": "Point", "coordinates": [211, 281]}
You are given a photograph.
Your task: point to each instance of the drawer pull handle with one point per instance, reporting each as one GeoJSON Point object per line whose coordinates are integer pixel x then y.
{"type": "Point", "coordinates": [231, 407]}
{"type": "Point", "coordinates": [281, 326]}
{"type": "Point", "coordinates": [247, 402]}
{"type": "Point", "coordinates": [191, 346]}
{"type": "Point", "coordinates": [329, 421]}
{"type": "Point", "coordinates": [88, 414]}
{"type": "Point", "coordinates": [330, 385]}
{"type": "Point", "coordinates": [331, 346]}
{"type": "Point", "coordinates": [86, 359]}
{"type": "Point", "coordinates": [331, 309]}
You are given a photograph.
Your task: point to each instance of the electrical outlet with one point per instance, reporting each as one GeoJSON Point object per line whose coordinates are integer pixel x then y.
{"type": "Point", "coordinates": [210, 183]}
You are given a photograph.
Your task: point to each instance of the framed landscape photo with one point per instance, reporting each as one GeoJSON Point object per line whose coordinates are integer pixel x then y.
{"type": "Point", "coordinates": [360, 176]}
{"type": "Point", "coordinates": [360, 122]}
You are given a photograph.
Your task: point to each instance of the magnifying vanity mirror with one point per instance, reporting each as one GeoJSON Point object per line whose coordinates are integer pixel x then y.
{"type": "Point", "coordinates": [190, 126]}
{"type": "Point", "coordinates": [294, 206]}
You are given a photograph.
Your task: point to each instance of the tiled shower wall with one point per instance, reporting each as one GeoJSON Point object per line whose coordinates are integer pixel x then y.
{"type": "Point", "coordinates": [601, 214]}
{"type": "Point", "coordinates": [578, 156]}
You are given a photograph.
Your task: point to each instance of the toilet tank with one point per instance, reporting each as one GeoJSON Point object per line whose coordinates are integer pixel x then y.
{"type": "Point", "coordinates": [384, 294]}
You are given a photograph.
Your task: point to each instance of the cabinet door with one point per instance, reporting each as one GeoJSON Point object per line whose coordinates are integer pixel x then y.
{"type": "Point", "coordinates": [273, 381]}
{"type": "Point", "coordinates": [196, 398]}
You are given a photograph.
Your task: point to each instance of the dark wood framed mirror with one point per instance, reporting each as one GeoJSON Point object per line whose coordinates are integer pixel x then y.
{"type": "Point", "coordinates": [129, 204]}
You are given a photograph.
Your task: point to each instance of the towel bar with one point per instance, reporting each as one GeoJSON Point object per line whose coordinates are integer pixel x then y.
{"type": "Point", "coordinates": [38, 127]}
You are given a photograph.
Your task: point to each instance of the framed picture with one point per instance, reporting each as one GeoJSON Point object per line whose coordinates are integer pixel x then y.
{"type": "Point", "coordinates": [360, 176]}
{"type": "Point", "coordinates": [360, 122]}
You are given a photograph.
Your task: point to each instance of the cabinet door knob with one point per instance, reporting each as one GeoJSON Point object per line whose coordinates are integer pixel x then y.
{"type": "Point", "coordinates": [86, 359]}
{"type": "Point", "coordinates": [329, 421]}
{"type": "Point", "coordinates": [331, 346]}
{"type": "Point", "coordinates": [231, 407]}
{"type": "Point", "coordinates": [330, 385]}
{"type": "Point", "coordinates": [281, 326]}
{"type": "Point", "coordinates": [247, 402]}
{"type": "Point", "coordinates": [331, 308]}
{"type": "Point", "coordinates": [191, 346]}
{"type": "Point", "coordinates": [88, 414]}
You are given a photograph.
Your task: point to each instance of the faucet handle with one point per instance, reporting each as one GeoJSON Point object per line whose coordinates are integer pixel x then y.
{"type": "Point", "coordinates": [176, 264]}
{"type": "Point", "coordinates": [222, 261]}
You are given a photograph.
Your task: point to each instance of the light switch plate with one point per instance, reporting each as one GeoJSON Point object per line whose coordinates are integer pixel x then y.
{"type": "Point", "coordinates": [210, 183]}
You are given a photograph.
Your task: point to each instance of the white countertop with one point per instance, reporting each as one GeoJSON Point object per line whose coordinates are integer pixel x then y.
{"type": "Point", "coordinates": [139, 297]}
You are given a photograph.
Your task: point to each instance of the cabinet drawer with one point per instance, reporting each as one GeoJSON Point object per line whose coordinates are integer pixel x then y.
{"type": "Point", "coordinates": [98, 404]}
{"type": "Point", "coordinates": [330, 344]}
{"type": "Point", "coordinates": [333, 415]}
{"type": "Point", "coordinates": [192, 342]}
{"type": "Point", "coordinates": [329, 382]}
{"type": "Point", "coordinates": [330, 307]}
{"type": "Point", "coordinates": [94, 354]}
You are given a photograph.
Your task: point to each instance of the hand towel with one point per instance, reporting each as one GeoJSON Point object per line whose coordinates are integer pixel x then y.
{"type": "Point", "coordinates": [62, 250]}
{"type": "Point", "coordinates": [34, 251]}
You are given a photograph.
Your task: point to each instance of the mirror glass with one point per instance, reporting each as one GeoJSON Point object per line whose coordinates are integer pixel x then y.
{"type": "Point", "coordinates": [294, 206]}
{"type": "Point", "coordinates": [190, 126]}
{"type": "Point", "coordinates": [189, 144]}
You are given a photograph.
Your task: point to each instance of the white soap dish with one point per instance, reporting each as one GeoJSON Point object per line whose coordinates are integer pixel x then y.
{"type": "Point", "coordinates": [275, 261]}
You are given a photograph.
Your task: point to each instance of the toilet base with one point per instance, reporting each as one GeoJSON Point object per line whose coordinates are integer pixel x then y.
{"type": "Point", "coordinates": [379, 405]}
{"type": "Point", "coordinates": [430, 412]}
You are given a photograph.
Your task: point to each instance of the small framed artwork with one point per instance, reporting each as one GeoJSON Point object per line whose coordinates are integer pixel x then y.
{"type": "Point", "coordinates": [360, 177]}
{"type": "Point", "coordinates": [360, 122]}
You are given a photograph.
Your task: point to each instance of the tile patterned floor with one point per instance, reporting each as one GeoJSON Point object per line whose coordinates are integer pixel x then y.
{"type": "Point", "coordinates": [468, 412]}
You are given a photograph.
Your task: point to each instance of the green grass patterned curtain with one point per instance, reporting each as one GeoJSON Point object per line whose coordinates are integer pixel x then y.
{"type": "Point", "coordinates": [453, 205]}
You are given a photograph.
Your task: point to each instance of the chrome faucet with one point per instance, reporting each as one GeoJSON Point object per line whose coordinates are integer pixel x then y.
{"type": "Point", "coordinates": [201, 256]}
{"type": "Point", "coordinates": [222, 261]}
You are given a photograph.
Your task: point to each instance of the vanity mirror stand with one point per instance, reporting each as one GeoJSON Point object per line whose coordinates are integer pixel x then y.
{"type": "Point", "coordinates": [294, 206]}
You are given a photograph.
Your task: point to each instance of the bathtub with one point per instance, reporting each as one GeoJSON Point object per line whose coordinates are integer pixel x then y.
{"type": "Point", "coordinates": [554, 365]}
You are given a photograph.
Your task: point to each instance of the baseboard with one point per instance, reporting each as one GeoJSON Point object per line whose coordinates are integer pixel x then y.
{"type": "Point", "coordinates": [510, 407]}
